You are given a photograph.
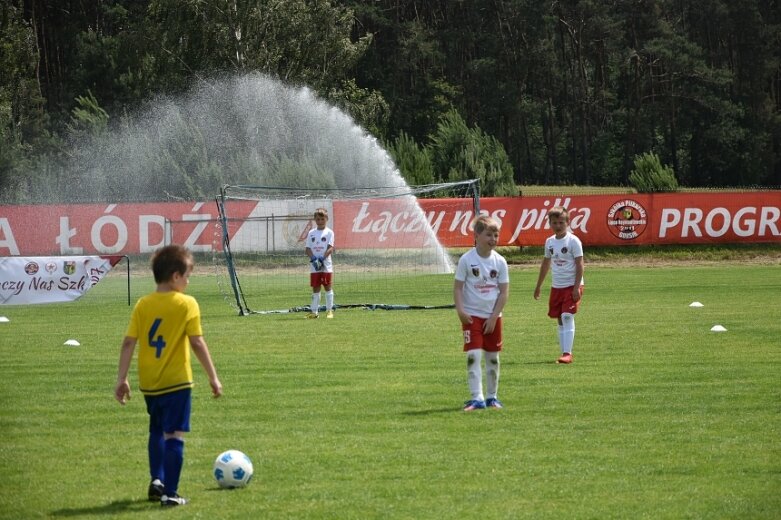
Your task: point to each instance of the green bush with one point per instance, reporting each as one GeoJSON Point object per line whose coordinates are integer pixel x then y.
{"type": "Point", "coordinates": [650, 176]}
{"type": "Point", "coordinates": [413, 162]}
{"type": "Point", "coordinates": [461, 153]}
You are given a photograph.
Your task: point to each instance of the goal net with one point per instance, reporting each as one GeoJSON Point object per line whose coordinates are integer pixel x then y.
{"type": "Point", "coordinates": [386, 251]}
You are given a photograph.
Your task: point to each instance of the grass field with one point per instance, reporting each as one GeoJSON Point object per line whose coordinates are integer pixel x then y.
{"type": "Point", "coordinates": [360, 417]}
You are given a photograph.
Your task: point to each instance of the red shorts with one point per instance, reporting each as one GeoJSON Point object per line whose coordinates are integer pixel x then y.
{"type": "Point", "coordinates": [474, 337]}
{"type": "Point", "coordinates": [560, 301]}
{"type": "Point", "coordinates": [318, 279]}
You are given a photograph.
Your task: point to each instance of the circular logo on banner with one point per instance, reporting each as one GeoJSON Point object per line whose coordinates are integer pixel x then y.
{"type": "Point", "coordinates": [295, 231]}
{"type": "Point", "coordinates": [627, 219]}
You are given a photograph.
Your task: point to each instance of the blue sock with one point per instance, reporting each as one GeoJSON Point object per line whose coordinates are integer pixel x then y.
{"type": "Point", "coordinates": [156, 449]}
{"type": "Point", "coordinates": [172, 464]}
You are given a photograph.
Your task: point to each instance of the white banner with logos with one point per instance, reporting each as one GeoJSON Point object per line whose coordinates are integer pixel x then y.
{"type": "Point", "coordinates": [50, 279]}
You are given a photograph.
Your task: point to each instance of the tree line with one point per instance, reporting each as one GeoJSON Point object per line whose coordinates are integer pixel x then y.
{"type": "Point", "coordinates": [510, 91]}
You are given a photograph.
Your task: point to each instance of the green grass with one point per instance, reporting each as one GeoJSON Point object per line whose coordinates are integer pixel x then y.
{"type": "Point", "coordinates": [653, 255]}
{"type": "Point", "coordinates": [532, 190]}
{"type": "Point", "coordinates": [359, 417]}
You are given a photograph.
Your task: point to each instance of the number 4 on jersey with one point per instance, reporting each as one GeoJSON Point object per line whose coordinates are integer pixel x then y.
{"type": "Point", "coordinates": [157, 343]}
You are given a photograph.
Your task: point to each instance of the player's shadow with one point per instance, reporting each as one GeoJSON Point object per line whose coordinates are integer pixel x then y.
{"type": "Point", "coordinates": [432, 411]}
{"type": "Point", "coordinates": [117, 506]}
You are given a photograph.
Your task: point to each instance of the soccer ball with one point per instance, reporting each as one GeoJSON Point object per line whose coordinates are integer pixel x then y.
{"type": "Point", "coordinates": [232, 469]}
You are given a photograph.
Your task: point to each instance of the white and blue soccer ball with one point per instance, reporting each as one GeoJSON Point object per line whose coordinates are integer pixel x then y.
{"type": "Point", "coordinates": [233, 469]}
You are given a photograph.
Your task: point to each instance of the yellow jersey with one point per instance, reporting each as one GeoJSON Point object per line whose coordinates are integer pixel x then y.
{"type": "Point", "coordinates": [162, 323]}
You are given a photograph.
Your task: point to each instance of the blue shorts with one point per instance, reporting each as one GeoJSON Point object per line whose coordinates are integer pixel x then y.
{"type": "Point", "coordinates": [169, 413]}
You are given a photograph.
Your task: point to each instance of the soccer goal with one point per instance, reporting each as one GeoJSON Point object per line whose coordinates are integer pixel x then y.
{"type": "Point", "coordinates": [387, 251]}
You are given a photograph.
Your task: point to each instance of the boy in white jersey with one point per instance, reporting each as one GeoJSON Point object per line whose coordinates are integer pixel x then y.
{"type": "Point", "coordinates": [319, 247]}
{"type": "Point", "coordinates": [564, 258]}
{"type": "Point", "coordinates": [480, 291]}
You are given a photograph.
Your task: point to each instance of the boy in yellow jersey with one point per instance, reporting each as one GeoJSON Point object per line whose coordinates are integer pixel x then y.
{"type": "Point", "coordinates": [166, 324]}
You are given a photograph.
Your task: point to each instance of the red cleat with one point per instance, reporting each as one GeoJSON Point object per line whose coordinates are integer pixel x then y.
{"type": "Point", "coordinates": [565, 359]}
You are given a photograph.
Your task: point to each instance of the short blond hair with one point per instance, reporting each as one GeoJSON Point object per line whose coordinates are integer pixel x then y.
{"type": "Point", "coordinates": [558, 211]}
{"type": "Point", "coordinates": [484, 222]}
{"type": "Point", "coordinates": [321, 212]}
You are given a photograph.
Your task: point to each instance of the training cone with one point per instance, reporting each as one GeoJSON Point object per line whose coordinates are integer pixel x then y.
{"type": "Point", "coordinates": [718, 328]}
{"type": "Point", "coordinates": [696, 304]}
{"type": "Point", "coordinates": [72, 343]}
{"type": "Point", "coordinates": [3, 319]}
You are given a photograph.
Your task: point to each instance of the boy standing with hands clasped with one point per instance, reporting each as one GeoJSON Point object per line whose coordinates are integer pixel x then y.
{"type": "Point", "coordinates": [166, 324]}
{"type": "Point", "coordinates": [563, 256]}
{"type": "Point", "coordinates": [480, 292]}
{"type": "Point", "coordinates": [319, 247]}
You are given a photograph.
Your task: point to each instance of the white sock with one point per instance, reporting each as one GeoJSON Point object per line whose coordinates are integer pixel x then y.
{"type": "Point", "coordinates": [474, 373]}
{"type": "Point", "coordinates": [491, 374]}
{"type": "Point", "coordinates": [315, 303]}
{"type": "Point", "coordinates": [567, 334]}
{"type": "Point", "coordinates": [329, 300]}
{"type": "Point", "coordinates": [560, 334]}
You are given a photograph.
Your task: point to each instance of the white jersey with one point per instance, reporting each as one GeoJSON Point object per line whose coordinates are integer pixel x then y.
{"type": "Point", "coordinates": [318, 240]}
{"type": "Point", "coordinates": [481, 277]}
{"type": "Point", "coordinates": [562, 253]}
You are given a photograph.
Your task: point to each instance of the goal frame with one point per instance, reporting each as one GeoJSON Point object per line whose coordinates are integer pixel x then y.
{"type": "Point", "coordinates": [469, 189]}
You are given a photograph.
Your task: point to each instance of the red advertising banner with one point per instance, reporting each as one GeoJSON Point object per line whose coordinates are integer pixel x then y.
{"type": "Point", "coordinates": [670, 218]}
{"type": "Point", "coordinates": [613, 220]}
{"type": "Point", "coordinates": [606, 220]}
{"type": "Point", "coordinates": [107, 228]}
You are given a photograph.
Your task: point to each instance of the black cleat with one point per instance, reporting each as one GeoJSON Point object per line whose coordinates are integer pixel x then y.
{"type": "Point", "coordinates": [172, 500]}
{"type": "Point", "coordinates": [156, 490]}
